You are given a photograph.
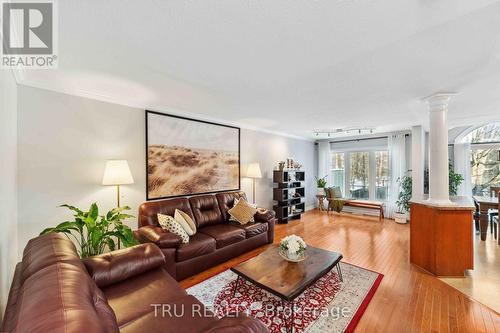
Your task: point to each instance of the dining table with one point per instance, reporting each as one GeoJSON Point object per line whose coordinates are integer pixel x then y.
{"type": "Point", "coordinates": [485, 203]}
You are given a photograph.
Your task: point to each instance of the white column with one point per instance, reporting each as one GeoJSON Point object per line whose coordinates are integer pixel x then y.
{"type": "Point", "coordinates": [438, 148]}
{"type": "Point", "coordinates": [417, 161]}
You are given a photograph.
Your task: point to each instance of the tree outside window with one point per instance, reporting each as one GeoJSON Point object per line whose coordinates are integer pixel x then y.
{"type": "Point", "coordinates": [485, 160]}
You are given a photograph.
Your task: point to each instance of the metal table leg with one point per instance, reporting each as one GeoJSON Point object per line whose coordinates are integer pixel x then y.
{"type": "Point", "coordinates": [236, 286]}
{"type": "Point", "coordinates": [339, 270]}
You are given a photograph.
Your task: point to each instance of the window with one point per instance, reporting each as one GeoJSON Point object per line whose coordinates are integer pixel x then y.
{"type": "Point", "coordinates": [338, 171]}
{"type": "Point", "coordinates": [358, 182]}
{"type": "Point", "coordinates": [361, 174]}
{"type": "Point", "coordinates": [485, 170]}
{"type": "Point", "coordinates": [381, 174]}
{"type": "Point", "coordinates": [485, 157]}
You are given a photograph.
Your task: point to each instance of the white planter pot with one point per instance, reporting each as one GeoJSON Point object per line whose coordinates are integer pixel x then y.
{"type": "Point", "coordinates": [292, 255]}
{"type": "Point", "coordinates": [400, 217]}
{"type": "Point", "coordinates": [321, 191]}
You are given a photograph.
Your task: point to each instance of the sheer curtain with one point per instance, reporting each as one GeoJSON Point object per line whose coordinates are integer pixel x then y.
{"type": "Point", "coordinates": [397, 155]}
{"type": "Point", "coordinates": [462, 166]}
{"type": "Point", "coordinates": [324, 160]}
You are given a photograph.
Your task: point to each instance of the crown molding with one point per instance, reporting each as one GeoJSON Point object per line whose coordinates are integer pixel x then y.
{"type": "Point", "coordinates": [131, 102]}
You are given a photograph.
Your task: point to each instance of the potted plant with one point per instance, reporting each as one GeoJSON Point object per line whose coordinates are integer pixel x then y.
{"type": "Point", "coordinates": [321, 184]}
{"type": "Point", "coordinates": [404, 196]}
{"type": "Point", "coordinates": [94, 234]}
{"type": "Point", "coordinates": [293, 248]}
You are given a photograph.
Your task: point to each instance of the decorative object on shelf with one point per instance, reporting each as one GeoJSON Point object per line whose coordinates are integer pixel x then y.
{"type": "Point", "coordinates": [117, 172]}
{"type": "Point", "coordinates": [281, 165]}
{"type": "Point", "coordinates": [321, 184]}
{"type": "Point", "coordinates": [254, 173]}
{"type": "Point", "coordinates": [187, 156]}
{"type": "Point", "coordinates": [292, 248]}
{"type": "Point", "coordinates": [288, 194]}
{"type": "Point", "coordinates": [297, 165]}
{"type": "Point", "coordinates": [92, 233]}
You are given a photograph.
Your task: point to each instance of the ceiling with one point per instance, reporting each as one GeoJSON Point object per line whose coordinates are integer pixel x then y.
{"type": "Point", "coordinates": [286, 66]}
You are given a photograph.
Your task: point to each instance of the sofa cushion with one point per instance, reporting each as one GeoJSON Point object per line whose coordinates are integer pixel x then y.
{"type": "Point", "coordinates": [206, 210]}
{"type": "Point", "coordinates": [148, 211]}
{"type": "Point", "coordinates": [224, 234]}
{"type": "Point", "coordinates": [62, 298]}
{"type": "Point", "coordinates": [226, 202]}
{"type": "Point", "coordinates": [252, 229]}
{"type": "Point", "coordinates": [243, 212]}
{"type": "Point", "coordinates": [168, 223]}
{"type": "Point", "coordinates": [133, 298]}
{"type": "Point", "coordinates": [199, 244]}
{"type": "Point", "coordinates": [185, 221]}
{"type": "Point", "coordinates": [47, 250]}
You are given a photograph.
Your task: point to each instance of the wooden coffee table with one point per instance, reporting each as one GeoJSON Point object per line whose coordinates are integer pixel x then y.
{"type": "Point", "coordinates": [284, 279]}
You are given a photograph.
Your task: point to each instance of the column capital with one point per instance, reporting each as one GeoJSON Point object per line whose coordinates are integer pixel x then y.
{"type": "Point", "coordinates": [439, 101]}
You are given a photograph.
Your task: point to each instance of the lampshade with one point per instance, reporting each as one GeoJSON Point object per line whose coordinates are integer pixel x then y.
{"type": "Point", "coordinates": [117, 172]}
{"type": "Point", "coordinates": [253, 171]}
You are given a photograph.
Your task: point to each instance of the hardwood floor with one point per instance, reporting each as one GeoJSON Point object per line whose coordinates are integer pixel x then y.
{"type": "Point", "coordinates": [408, 299]}
{"type": "Point", "coordinates": [482, 283]}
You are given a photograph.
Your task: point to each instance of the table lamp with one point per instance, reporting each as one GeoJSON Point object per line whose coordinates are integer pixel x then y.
{"type": "Point", "coordinates": [117, 172]}
{"type": "Point", "coordinates": [253, 172]}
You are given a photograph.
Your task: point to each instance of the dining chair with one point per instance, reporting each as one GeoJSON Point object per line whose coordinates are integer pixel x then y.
{"type": "Point", "coordinates": [494, 223]}
{"type": "Point", "coordinates": [494, 192]}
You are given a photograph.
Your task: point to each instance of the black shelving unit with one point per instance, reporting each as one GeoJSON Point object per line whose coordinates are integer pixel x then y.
{"type": "Point", "coordinates": [289, 194]}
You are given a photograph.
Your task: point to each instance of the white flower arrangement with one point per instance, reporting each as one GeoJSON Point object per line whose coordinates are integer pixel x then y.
{"type": "Point", "coordinates": [293, 246]}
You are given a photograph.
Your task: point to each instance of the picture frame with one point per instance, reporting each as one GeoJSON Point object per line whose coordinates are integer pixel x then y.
{"type": "Point", "coordinates": [186, 156]}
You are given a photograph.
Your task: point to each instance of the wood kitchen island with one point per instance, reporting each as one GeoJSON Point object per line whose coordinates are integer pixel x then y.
{"type": "Point", "coordinates": [441, 236]}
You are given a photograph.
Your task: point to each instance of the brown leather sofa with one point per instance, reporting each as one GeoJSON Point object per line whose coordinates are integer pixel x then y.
{"type": "Point", "coordinates": [122, 291]}
{"type": "Point", "coordinates": [216, 240]}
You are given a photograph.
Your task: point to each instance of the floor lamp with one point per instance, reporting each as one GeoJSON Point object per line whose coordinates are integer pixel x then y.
{"type": "Point", "coordinates": [253, 172]}
{"type": "Point", "coordinates": [117, 172]}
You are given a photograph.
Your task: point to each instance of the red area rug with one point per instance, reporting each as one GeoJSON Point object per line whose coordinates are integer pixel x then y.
{"type": "Point", "coordinates": [327, 306]}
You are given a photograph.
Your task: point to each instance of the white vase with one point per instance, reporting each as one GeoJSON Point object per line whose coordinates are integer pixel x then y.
{"type": "Point", "coordinates": [292, 255]}
{"type": "Point", "coordinates": [321, 191]}
{"type": "Point", "coordinates": [400, 217]}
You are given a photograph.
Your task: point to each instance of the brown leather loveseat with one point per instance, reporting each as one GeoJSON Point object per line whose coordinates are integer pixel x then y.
{"type": "Point", "coordinates": [216, 240]}
{"type": "Point", "coordinates": [122, 291]}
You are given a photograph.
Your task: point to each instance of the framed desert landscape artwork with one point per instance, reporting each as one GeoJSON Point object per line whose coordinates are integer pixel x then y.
{"type": "Point", "coordinates": [187, 156]}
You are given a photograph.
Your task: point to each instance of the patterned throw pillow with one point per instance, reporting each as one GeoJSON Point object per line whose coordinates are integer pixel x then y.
{"type": "Point", "coordinates": [242, 212]}
{"type": "Point", "coordinates": [231, 218]}
{"type": "Point", "coordinates": [185, 221]}
{"type": "Point", "coordinates": [169, 224]}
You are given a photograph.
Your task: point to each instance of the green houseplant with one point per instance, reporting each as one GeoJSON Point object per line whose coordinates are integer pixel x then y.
{"type": "Point", "coordinates": [455, 180]}
{"type": "Point", "coordinates": [405, 183]}
{"type": "Point", "coordinates": [321, 184]}
{"type": "Point", "coordinates": [404, 196]}
{"type": "Point", "coordinates": [94, 233]}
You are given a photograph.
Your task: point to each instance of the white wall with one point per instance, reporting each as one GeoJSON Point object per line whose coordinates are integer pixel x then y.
{"type": "Point", "coordinates": [65, 140]}
{"type": "Point", "coordinates": [8, 183]}
{"type": "Point", "coordinates": [268, 149]}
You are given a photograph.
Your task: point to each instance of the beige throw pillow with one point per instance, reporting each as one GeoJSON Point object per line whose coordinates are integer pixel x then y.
{"type": "Point", "coordinates": [235, 203]}
{"type": "Point", "coordinates": [169, 224]}
{"type": "Point", "coordinates": [185, 221]}
{"type": "Point", "coordinates": [242, 212]}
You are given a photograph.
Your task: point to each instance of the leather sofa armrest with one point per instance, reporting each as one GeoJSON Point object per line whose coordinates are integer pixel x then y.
{"type": "Point", "coordinates": [264, 215]}
{"type": "Point", "coordinates": [162, 238]}
{"type": "Point", "coordinates": [116, 266]}
{"type": "Point", "coordinates": [237, 323]}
